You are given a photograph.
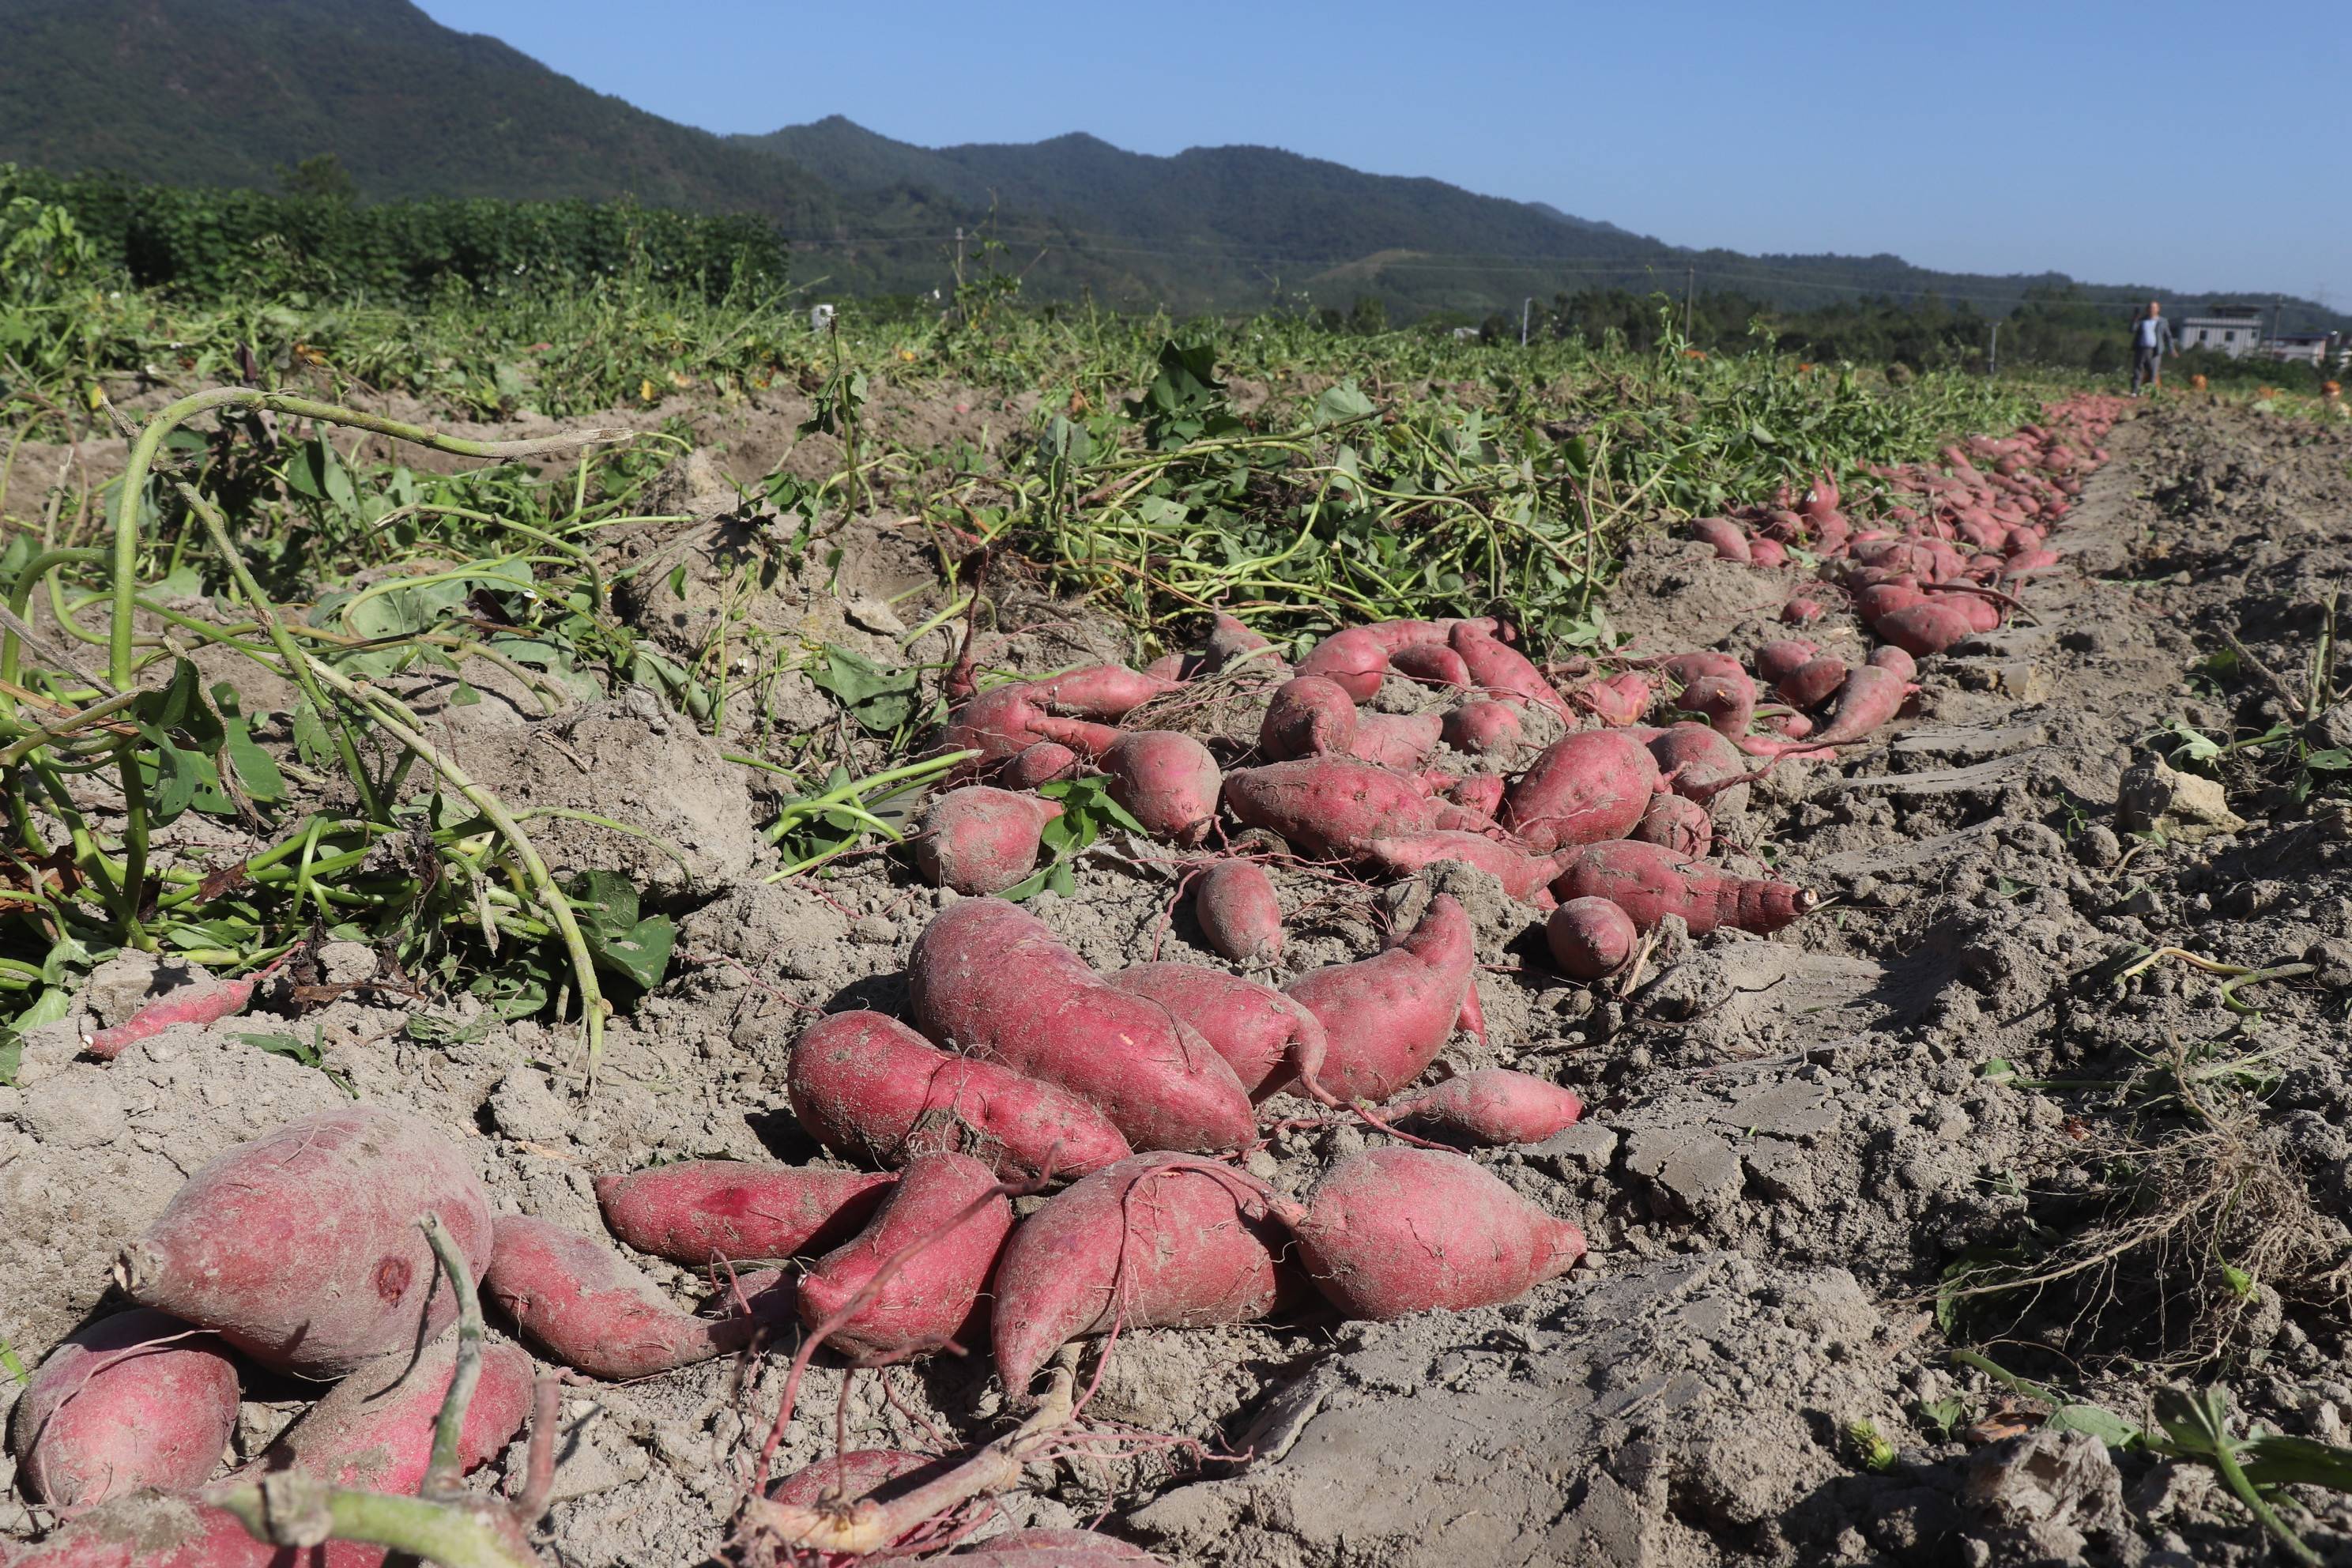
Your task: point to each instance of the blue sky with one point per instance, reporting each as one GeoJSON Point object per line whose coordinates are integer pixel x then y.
{"type": "Point", "coordinates": [2198, 147]}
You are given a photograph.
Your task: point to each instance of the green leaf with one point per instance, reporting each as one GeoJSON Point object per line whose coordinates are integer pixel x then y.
{"type": "Point", "coordinates": [617, 938]}
{"type": "Point", "coordinates": [2097, 1420]}
{"type": "Point", "coordinates": [880, 699]}
{"type": "Point", "coordinates": [2332, 760]}
{"type": "Point", "coordinates": [1341, 402]}
{"type": "Point", "coordinates": [257, 770]}
{"type": "Point", "coordinates": [2194, 746]}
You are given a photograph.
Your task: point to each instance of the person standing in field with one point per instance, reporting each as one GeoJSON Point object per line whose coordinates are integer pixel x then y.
{"type": "Point", "coordinates": [2151, 335]}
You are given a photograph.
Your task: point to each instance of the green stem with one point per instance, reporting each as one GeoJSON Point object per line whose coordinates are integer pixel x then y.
{"type": "Point", "coordinates": [447, 1467]}
{"type": "Point", "coordinates": [291, 1509]}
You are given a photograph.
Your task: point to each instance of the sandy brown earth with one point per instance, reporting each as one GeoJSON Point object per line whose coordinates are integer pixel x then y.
{"type": "Point", "coordinates": [1791, 1140]}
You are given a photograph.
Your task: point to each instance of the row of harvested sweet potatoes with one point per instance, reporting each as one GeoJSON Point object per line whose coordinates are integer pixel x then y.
{"type": "Point", "coordinates": [1929, 571]}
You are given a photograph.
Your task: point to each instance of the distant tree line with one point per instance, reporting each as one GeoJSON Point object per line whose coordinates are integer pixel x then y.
{"type": "Point", "coordinates": [202, 243]}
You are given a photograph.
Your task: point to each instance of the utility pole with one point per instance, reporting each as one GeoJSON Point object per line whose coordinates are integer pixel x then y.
{"type": "Point", "coordinates": [1993, 353]}
{"type": "Point", "coordinates": [959, 256]}
{"type": "Point", "coordinates": [1690, 282]}
{"type": "Point", "coordinates": [1524, 307]}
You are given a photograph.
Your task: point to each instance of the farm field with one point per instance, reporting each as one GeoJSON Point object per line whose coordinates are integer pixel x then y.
{"type": "Point", "coordinates": [532, 720]}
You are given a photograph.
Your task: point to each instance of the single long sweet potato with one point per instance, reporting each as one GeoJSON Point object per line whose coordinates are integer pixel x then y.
{"type": "Point", "coordinates": [1158, 1241]}
{"type": "Point", "coordinates": [1927, 628]}
{"type": "Point", "coordinates": [1591, 938]}
{"type": "Point", "coordinates": [1619, 700]}
{"type": "Point", "coordinates": [1491, 1106]}
{"type": "Point", "coordinates": [1778, 659]}
{"type": "Point", "coordinates": [1586, 787]}
{"type": "Point", "coordinates": [206, 1001]}
{"type": "Point", "coordinates": [1888, 657]}
{"type": "Point", "coordinates": [1314, 716]}
{"type": "Point", "coordinates": [1870, 695]}
{"type": "Point", "coordinates": [1235, 902]}
{"type": "Point", "coordinates": [583, 1304]}
{"type": "Point", "coordinates": [1812, 685]}
{"type": "Point", "coordinates": [848, 1476]}
{"type": "Point", "coordinates": [139, 1399]}
{"type": "Point", "coordinates": [994, 982]}
{"type": "Point", "coordinates": [1650, 882]}
{"type": "Point", "coordinates": [981, 840]}
{"type": "Point", "coordinates": [1725, 537]}
{"type": "Point", "coordinates": [1392, 1231]}
{"type": "Point", "coordinates": [1503, 670]}
{"type": "Point", "coordinates": [943, 1201]}
{"type": "Point", "coordinates": [1727, 702]}
{"type": "Point", "coordinates": [1328, 805]}
{"type": "Point", "coordinates": [1432, 664]}
{"type": "Point", "coordinates": [1358, 656]}
{"type": "Point", "coordinates": [1003, 722]}
{"type": "Point", "coordinates": [1041, 763]}
{"type": "Point", "coordinates": [1697, 761]}
{"type": "Point", "coordinates": [302, 1247]}
{"type": "Point", "coordinates": [1097, 692]}
{"type": "Point", "coordinates": [698, 1211]}
{"type": "Point", "coordinates": [374, 1430]}
{"type": "Point", "coordinates": [1050, 1548]}
{"type": "Point", "coordinates": [1387, 1017]}
{"type": "Point", "coordinates": [868, 1088]}
{"type": "Point", "coordinates": [1267, 1039]}
{"type": "Point", "coordinates": [1168, 782]}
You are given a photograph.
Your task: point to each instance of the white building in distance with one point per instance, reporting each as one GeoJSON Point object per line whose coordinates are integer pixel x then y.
{"type": "Point", "coordinates": [2232, 330]}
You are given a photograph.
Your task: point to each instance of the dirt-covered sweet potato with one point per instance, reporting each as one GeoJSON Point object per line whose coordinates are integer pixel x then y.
{"type": "Point", "coordinates": [139, 1399]}
{"type": "Point", "coordinates": [1485, 728]}
{"type": "Point", "coordinates": [1358, 656]}
{"type": "Point", "coordinates": [1679, 823]}
{"type": "Point", "coordinates": [1501, 670]}
{"type": "Point", "coordinates": [1004, 721]}
{"type": "Point", "coordinates": [302, 1247]}
{"type": "Point", "coordinates": [1097, 692]}
{"type": "Point", "coordinates": [992, 981]}
{"type": "Point", "coordinates": [1524, 875]}
{"type": "Point", "coordinates": [1235, 902]}
{"type": "Point", "coordinates": [1617, 700]}
{"type": "Point", "coordinates": [1158, 1241]}
{"type": "Point", "coordinates": [981, 840]}
{"type": "Point", "coordinates": [1491, 1106]}
{"type": "Point", "coordinates": [1386, 1017]}
{"type": "Point", "coordinates": [948, 1202]}
{"type": "Point", "coordinates": [1267, 1039]}
{"type": "Point", "coordinates": [374, 1430]}
{"type": "Point", "coordinates": [1166, 780]}
{"type": "Point", "coordinates": [1591, 938]}
{"type": "Point", "coordinates": [1583, 788]}
{"type": "Point", "coordinates": [1333, 806]}
{"type": "Point", "coordinates": [1778, 659]}
{"type": "Point", "coordinates": [583, 1304]}
{"type": "Point", "coordinates": [1649, 882]}
{"type": "Point", "coordinates": [698, 1212]}
{"type": "Point", "coordinates": [868, 1088]}
{"type": "Point", "coordinates": [1392, 1231]}
{"type": "Point", "coordinates": [1041, 763]}
{"type": "Point", "coordinates": [154, 1528]}
{"type": "Point", "coordinates": [1811, 684]}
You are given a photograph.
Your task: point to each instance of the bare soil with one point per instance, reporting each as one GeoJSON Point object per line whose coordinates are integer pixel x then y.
{"type": "Point", "coordinates": [1789, 1140]}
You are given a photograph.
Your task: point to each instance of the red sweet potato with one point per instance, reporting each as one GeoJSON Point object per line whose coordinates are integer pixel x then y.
{"type": "Point", "coordinates": [1387, 1017]}
{"type": "Point", "coordinates": [1812, 685]}
{"type": "Point", "coordinates": [1158, 1241]}
{"type": "Point", "coordinates": [1238, 912]}
{"type": "Point", "coordinates": [1619, 700]}
{"type": "Point", "coordinates": [172, 1530]}
{"type": "Point", "coordinates": [1267, 1039]}
{"type": "Point", "coordinates": [1483, 727]}
{"type": "Point", "coordinates": [1524, 875]}
{"type": "Point", "coordinates": [1167, 781]}
{"type": "Point", "coordinates": [1650, 882]}
{"type": "Point", "coordinates": [206, 1001]}
{"type": "Point", "coordinates": [1503, 670]}
{"type": "Point", "coordinates": [1097, 692]}
{"type": "Point", "coordinates": [981, 840]}
{"type": "Point", "coordinates": [1333, 806]}
{"type": "Point", "coordinates": [302, 1247]}
{"type": "Point", "coordinates": [1591, 938]}
{"type": "Point", "coordinates": [1587, 786]}
{"type": "Point", "coordinates": [1231, 643]}
{"type": "Point", "coordinates": [1392, 1231]}
{"type": "Point", "coordinates": [1041, 763]}
{"type": "Point", "coordinates": [1888, 657]}
{"type": "Point", "coordinates": [1003, 722]}
{"type": "Point", "coordinates": [1925, 628]}
{"type": "Point", "coordinates": [1679, 823]}
{"type": "Point", "coordinates": [374, 1430]}
{"type": "Point", "coordinates": [1491, 1106]}
{"type": "Point", "coordinates": [1697, 761]}
{"type": "Point", "coordinates": [1358, 656]}
{"type": "Point", "coordinates": [1431, 664]}
{"type": "Point", "coordinates": [1727, 701]}
{"type": "Point", "coordinates": [698, 1211]}
{"type": "Point", "coordinates": [993, 981]}
{"type": "Point", "coordinates": [851, 1475]}
{"type": "Point", "coordinates": [1314, 716]}
{"type": "Point", "coordinates": [930, 1298]}
{"type": "Point", "coordinates": [583, 1304]}
{"type": "Point", "coordinates": [1776, 661]}
{"type": "Point", "coordinates": [136, 1400]}
{"type": "Point", "coordinates": [1727, 538]}
{"type": "Point", "coordinates": [1801, 612]}
{"type": "Point", "coordinates": [1766, 553]}
{"type": "Point", "coordinates": [868, 1088]}
{"type": "Point", "coordinates": [1481, 793]}
{"type": "Point", "coordinates": [1870, 695]}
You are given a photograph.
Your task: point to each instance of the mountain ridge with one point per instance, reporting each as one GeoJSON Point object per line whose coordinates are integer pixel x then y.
{"type": "Point", "coordinates": [233, 92]}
